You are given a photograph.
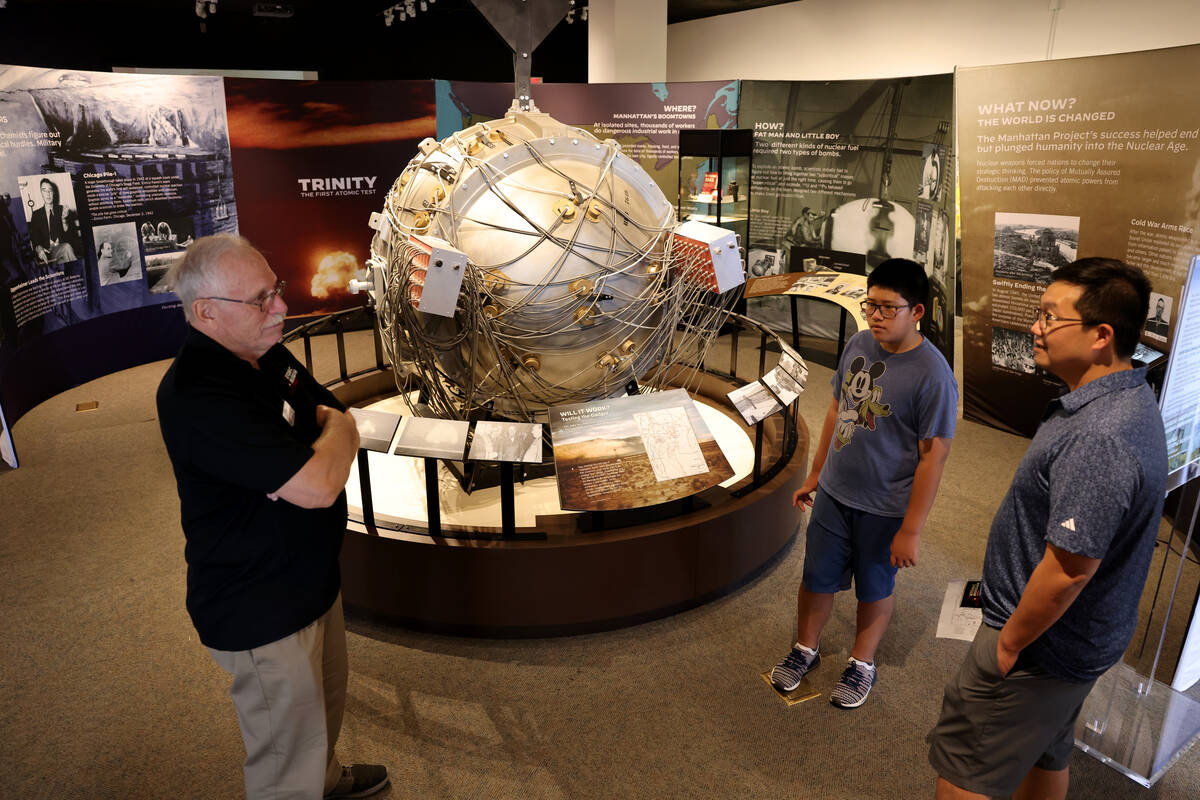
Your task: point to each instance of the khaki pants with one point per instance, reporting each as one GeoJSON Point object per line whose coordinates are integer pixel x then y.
{"type": "Point", "coordinates": [289, 696]}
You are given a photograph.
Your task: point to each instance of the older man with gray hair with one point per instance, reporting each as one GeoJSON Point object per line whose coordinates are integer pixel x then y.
{"type": "Point", "coordinates": [261, 453]}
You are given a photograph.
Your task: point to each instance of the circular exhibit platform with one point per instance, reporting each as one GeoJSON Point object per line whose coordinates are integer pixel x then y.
{"type": "Point", "coordinates": [566, 572]}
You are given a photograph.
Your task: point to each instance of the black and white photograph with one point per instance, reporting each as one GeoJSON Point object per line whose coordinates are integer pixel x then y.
{"type": "Point", "coordinates": [812, 283]}
{"type": "Point", "coordinates": [118, 258]}
{"type": "Point", "coordinates": [375, 428]}
{"type": "Point", "coordinates": [934, 156]}
{"type": "Point", "coordinates": [754, 402]}
{"type": "Point", "coordinates": [1013, 350]}
{"type": "Point", "coordinates": [157, 267]}
{"type": "Point", "coordinates": [166, 234]}
{"type": "Point", "coordinates": [423, 437]}
{"type": "Point", "coordinates": [1160, 316]}
{"type": "Point", "coordinates": [1028, 247]}
{"type": "Point", "coordinates": [507, 441]}
{"type": "Point", "coordinates": [53, 217]}
{"type": "Point", "coordinates": [763, 262]}
{"type": "Point", "coordinates": [939, 244]}
{"type": "Point", "coordinates": [924, 220]}
{"type": "Point", "coordinates": [791, 362]}
{"type": "Point", "coordinates": [783, 385]}
{"type": "Point", "coordinates": [1146, 355]}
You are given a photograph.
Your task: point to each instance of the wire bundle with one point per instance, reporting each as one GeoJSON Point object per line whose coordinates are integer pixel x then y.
{"type": "Point", "coordinates": [574, 285]}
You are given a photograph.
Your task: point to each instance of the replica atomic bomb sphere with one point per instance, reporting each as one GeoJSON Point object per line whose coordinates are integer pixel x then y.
{"type": "Point", "coordinates": [523, 263]}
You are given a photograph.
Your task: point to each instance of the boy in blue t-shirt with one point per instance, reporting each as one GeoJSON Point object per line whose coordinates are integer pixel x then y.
{"type": "Point", "coordinates": [889, 425]}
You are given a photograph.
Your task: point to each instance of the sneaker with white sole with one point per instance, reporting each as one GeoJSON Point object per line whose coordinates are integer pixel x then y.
{"type": "Point", "coordinates": [855, 684]}
{"type": "Point", "coordinates": [359, 780]}
{"type": "Point", "coordinates": [787, 674]}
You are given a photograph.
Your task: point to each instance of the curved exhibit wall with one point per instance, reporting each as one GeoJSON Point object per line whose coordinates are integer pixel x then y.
{"type": "Point", "coordinates": [645, 118]}
{"type": "Point", "coordinates": [312, 160]}
{"type": "Point", "coordinates": [845, 175]}
{"type": "Point", "coordinates": [104, 180]}
{"type": "Point", "coordinates": [1062, 160]}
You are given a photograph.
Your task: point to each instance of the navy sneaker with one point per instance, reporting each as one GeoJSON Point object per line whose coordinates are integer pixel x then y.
{"type": "Point", "coordinates": [787, 674]}
{"type": "Point", "coordinates": [855, 684]}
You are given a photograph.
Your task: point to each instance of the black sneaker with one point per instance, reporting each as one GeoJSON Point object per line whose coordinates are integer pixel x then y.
{"type": "Point", "coordinates": [359, 780]}
{"type": "Point", "coordinates": [855, 684]}
{"type": "Point", "coordinates": [788, 673]}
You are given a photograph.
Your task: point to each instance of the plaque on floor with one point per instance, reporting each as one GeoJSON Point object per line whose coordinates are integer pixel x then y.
{"type": "Point", "coordinates": [796, 696]}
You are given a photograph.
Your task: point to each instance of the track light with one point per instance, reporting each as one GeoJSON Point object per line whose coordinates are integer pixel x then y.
{"type": "Point", "coordinates": [423, 6]}
{"type": "Point", "coordinates": [387, 17]}
{"type": "Point", "coordinates": [201, 9]}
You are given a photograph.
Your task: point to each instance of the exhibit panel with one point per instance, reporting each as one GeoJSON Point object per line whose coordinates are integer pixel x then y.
{"type": "Point", "coordinates": [104, 180]}
{"type": "Point", "coordinates": [1063, 160]}
{"type": "Point", "coordinates": [643, 118]}
{"type": "Point", "coordinates": [845, 175]}
{"type": "Point", "coordinates": [313, 160]}
{"type": "Point", "coordinates": [1180, 402]}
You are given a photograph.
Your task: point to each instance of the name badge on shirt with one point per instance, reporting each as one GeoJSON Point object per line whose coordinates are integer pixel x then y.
{"type": "Point", "coordinates": [289, 414]}
{"type": "Point", "coordinates": [291, 376]}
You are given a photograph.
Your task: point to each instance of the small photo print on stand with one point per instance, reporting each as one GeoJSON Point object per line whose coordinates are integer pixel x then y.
{"type": "Point", "coordinates": [791, 363]}
{"type": "Point", "coordinates": [375, 428]}
{"type": "Point", "coordinates": [785, 387]}
{"type": "Point", "coordinates": [754, 402]}
{"type": "Point", "coordinates": [422, 437]}
{"type": "Point", "coordinates": [507, 441]}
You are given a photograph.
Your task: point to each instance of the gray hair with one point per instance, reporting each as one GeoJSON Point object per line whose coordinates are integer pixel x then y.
{"type": "Point", "coordinates": [198, 274]}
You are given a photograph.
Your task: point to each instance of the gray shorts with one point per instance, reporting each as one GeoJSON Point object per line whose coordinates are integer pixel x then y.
{"type": "Point", "coordinates": [993, 730]}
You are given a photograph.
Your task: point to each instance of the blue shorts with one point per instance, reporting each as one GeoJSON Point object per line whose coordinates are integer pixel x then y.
{"type": "Point", "coordinates": [842, 542]}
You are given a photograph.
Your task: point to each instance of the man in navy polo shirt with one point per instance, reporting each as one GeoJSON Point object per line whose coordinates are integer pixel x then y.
{"type": "Point", "coordinates": [1069, 548]}
{"type": "Point", "coordinates": [261, 453]}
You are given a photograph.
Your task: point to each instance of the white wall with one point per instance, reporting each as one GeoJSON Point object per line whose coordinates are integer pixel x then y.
{"type": "Point", "coordinates": [851, 39]}
{"type": "Point", "coordinates": [627, 41]}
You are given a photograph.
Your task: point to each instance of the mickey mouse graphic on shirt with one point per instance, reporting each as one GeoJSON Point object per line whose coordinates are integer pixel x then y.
{"type": "Point", "coordinates": [859, 403]}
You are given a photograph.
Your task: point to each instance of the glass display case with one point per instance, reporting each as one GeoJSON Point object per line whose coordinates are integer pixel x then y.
{"type": "Point", "coordinates": [714, 178]}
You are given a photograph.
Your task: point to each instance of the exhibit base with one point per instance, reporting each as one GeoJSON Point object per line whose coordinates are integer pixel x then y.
{"type": "Point", "coordinates": [565, 572]}
{"type": "Point", "coordinates": [1135, 725]}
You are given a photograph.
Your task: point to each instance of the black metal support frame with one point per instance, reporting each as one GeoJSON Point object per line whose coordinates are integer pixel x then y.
{"type": "Point", "coordinates": [355, 319]}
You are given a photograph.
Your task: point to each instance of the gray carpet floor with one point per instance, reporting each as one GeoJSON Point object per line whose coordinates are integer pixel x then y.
{"type": "Point", "coordinates": [105, 691]}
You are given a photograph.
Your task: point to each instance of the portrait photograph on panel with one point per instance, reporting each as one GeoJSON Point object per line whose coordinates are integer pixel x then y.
{"type": "Point", "coordinates": [118, 258]}
{"type": "Point", "coordinates": [53, 217]}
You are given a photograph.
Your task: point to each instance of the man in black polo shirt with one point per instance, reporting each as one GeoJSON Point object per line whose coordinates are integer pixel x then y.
{"type": "Point", "coordinates": [261, 453]}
